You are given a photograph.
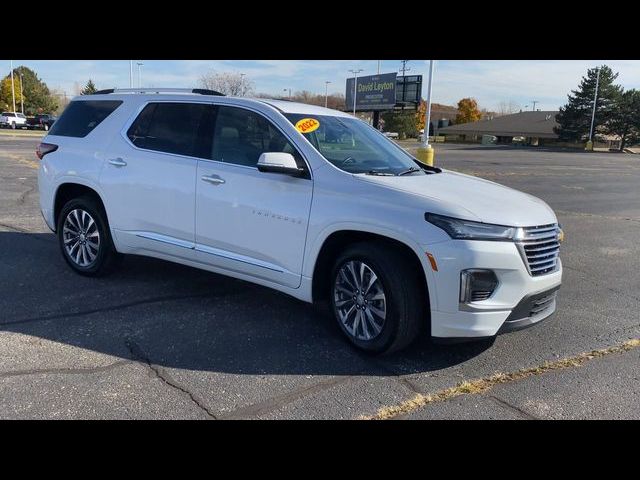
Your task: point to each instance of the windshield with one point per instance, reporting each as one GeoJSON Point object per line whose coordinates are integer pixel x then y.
{"type": "Point", "coordinates": [353, 146]}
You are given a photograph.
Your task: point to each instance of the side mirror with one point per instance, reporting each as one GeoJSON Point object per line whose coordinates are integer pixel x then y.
{"type": "Point", "coordinates": [279, 162]}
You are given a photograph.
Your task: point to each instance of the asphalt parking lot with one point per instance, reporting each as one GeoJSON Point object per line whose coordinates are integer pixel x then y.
{"type": "Point", "coordinates": [158, 340]}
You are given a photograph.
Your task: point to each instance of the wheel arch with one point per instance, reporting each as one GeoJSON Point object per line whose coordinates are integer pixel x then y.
{"type": "Point", "coordinates": [69, 190]}
{"type": "Point", "coordinates": [336, 240]}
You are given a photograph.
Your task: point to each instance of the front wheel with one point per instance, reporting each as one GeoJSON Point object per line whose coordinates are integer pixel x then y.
{"type": "Point", "coordinates": [377, 297]}
{"type": "Point", "coordinates": [84, 237]}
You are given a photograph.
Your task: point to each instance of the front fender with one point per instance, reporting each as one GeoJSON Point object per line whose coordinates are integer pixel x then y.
{"type": "Point", "coordinates": [314, 248]}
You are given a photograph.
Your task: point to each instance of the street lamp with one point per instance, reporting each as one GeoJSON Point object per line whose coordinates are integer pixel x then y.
{"type": "Point", "coordinates": [326, 93]}
{"type": "Point", "coordinates": [21, 94]}
{"type": "Point", "coordinates": [242, 89]}
{"type": "Point", "coordinates": [139, 74]}
{"type": "Point", "coordinates": [130, 73]}
{"type": "Point", "coordinates": [593, 113]}
{"type": "Point", "coordinates": [425, 152]}
{"type": "Point", "coordinates": [427, 123]}
{"type": "Point", "coordinates": [13, 89]}
{"type": "Point", "coordinates": [355, 87]}
{"type": "Point", "coordinates": [285, 89]}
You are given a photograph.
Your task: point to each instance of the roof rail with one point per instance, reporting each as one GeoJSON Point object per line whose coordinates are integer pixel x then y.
{"type": "Point", "coordinates": [197, 91]}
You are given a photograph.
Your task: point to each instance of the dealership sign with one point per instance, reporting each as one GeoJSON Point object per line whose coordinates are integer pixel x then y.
{"type": "Point", "coordinates": [374, 92]}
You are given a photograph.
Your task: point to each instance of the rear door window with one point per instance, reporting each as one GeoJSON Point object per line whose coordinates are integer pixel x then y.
{"type": "Point", "coordinates": [81, 117]}
{"type": "Point", "coordinates": [177, 128]}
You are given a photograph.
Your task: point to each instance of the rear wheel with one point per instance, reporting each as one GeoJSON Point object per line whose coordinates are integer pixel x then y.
{"type": "Point", "coordinates": [84, 237]}
{"type": "Point", "coordinates": [377, 297]}
{"type": "Point", "coordinates": [13, 125]}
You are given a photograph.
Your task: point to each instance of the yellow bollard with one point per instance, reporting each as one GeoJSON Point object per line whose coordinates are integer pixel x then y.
{"type": "Point", "coordinates": [425, 155]}
{"type": "Point", "coordinates": [589, 146]}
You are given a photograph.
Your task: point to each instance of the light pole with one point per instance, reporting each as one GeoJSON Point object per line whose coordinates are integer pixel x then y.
{"type": "Point", "coordinates": [534, 104]}
{"type": "Point", "coordinates": [242, 90]}
{"type": "Point", "coordinates": [593, 113]}
{"type": "Point", "coordinates": [21, 94]}
{"type": "Point", "coordinates": [139, 74]}
{"type": "Point", "coordinates": [130, 73]}
{"type": "Point", "coordinates": [378, 67]}
{"type": "Point", "coordinates": [13, 89]}
{"type": "Point", "coordinates": [425, 152]}
{"type": "Point", "coordinates": [285, 89]}
{"type": "Point", "coordinates": [427, 123]}
{"type": "Point", "coordinates": [326, 93]}
{"type": "Point", "coordinates": [355, 87]}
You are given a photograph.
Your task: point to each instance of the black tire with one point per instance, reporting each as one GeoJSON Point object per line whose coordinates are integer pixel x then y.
{"type": "Point", "coordinates": [106, 257]}
{"type": "Point", "coordinates": [405, 296]}
{"type": "Point", "coordinates": [13, 125]}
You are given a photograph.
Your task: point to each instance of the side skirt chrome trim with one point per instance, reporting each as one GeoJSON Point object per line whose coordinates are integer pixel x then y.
{"type": "Point", "coordinates": [238, 258]}
{"type": "Point", "coordinates": [209, 250]}
{"type": "Point", "coordinates": [165, 239]}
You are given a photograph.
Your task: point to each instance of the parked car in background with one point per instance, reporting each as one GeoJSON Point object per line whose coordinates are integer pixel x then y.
{"type": "Point", "coordinates": [41, 121]}
{"type": "Point", "coordinates": [391, 134]}
{"type": "Point", "coordinates": [12, 120]}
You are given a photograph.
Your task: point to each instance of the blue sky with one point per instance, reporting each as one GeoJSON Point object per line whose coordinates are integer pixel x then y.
{"type": "Point", "coordinates": [489, 81]}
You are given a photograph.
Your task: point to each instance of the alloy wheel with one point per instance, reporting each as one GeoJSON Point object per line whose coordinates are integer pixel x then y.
{"type": "Point", "coordinates": [81, 237]}
{"type": "Point", "coordinates": [359, 300]}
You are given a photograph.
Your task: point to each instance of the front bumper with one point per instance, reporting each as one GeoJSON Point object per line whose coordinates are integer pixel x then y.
{"type": "Point", "coordinates": [509, 307]}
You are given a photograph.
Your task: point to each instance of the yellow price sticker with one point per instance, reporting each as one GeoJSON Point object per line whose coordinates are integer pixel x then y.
{"type": "Point", "coordinates": [307, 125]}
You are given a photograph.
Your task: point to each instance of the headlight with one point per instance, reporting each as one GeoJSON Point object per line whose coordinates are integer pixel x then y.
{"type": "Point", "coordinates": [468, 230]}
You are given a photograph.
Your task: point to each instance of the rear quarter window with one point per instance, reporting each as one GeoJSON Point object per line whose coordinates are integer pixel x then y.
{"type": "Point", "coordinates": [81, 117]}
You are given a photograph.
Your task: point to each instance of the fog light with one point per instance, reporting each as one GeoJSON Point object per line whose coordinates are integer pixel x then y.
{"type": "Point", "coordinates": [477, 285]}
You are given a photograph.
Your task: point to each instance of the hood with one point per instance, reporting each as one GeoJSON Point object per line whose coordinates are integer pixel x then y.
{"type": "Point", "coordinates": [471, 198]}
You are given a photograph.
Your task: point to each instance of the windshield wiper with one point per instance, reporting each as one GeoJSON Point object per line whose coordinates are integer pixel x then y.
{"type": "Point", "coordinates": [376, 172]}
{"type": "Point", "coordinates": [409, 170]}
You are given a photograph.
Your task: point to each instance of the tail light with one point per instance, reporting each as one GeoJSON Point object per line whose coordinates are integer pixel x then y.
{"type": "Point", "coordinates": [45, 148]}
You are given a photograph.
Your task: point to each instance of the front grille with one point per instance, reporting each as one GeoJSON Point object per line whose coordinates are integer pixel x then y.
{"type": "Point", "coordinates": [540, 247]}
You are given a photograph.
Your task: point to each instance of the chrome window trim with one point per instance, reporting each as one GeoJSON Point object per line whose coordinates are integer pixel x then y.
{"type": "Point", "coordinates": [143, 105]}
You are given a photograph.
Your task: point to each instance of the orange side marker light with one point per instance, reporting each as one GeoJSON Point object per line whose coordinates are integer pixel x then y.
{"type": "Point", "coordinates": [432, 261]}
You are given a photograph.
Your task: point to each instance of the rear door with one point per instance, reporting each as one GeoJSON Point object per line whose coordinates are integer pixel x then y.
{"type": "Point", "coordinates": [149, 177]}
{"type": "Point", "coordinates": [247, 221]}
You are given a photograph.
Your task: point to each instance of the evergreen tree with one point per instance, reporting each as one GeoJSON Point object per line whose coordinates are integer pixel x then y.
{"type": "Point", "coordinates": [575, 117]}
{"type": "Point", "coordinates": [404, 123]}
{"type": "Point", "coordinates": [89, 88]}
{"type": "Point", "coordinates": [625, 119]}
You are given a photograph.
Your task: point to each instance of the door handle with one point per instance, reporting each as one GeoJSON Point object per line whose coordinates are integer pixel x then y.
{"type": "Point", "coordinates": [118, 162]}
{"type": "Point", "coordinates": [213, 179]}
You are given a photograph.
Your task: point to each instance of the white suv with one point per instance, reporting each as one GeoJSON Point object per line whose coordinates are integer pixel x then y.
{"type": "Point", "coordinates": [13, 120]}
{"type": "Point", "coordinates": [306, 200]}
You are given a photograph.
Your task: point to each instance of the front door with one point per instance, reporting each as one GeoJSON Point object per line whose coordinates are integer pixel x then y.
{"type": "Point", "coordinates": [250, 222]}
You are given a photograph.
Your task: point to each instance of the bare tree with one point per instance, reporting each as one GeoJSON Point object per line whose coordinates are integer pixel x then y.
{"type": "Point", "coordinates": [235, 84]}
{"type": "Point", "coordinates": [507, 108]}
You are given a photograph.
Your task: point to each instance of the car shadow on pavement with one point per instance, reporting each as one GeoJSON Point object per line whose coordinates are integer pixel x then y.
{"type": "Point", "coordinates": [180, 317]}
